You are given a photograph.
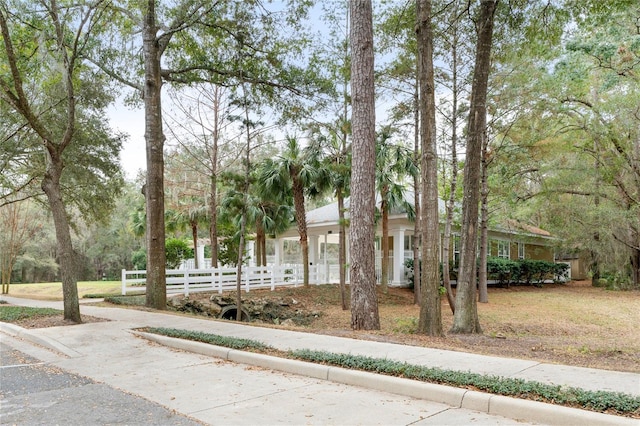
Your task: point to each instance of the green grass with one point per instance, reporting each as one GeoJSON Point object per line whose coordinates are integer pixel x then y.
{"type": "Point", "coordinates": [17, 313]}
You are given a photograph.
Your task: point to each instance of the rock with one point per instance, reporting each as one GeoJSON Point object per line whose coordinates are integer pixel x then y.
{"type": "Point", "coordinates": [288, 322]}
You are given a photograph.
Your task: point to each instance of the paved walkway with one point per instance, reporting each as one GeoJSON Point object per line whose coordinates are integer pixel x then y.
{"type": "Point", "coordinates": [216, 391]}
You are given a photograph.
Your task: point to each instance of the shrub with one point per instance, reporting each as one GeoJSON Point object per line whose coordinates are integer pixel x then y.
{"type": "Point", "coordinates": [176, 251]}
{"type": "Point", "coordinates": [501, 270]}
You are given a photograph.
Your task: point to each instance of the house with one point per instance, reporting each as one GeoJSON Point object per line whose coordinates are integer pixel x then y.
{"type": "Point", "coordinates": [513, 240]}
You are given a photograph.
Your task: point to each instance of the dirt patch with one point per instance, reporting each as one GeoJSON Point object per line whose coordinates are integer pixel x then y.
{"type": "Point", "coordinates": [54, 321]}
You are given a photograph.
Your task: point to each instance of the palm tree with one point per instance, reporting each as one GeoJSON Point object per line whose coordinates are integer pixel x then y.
{"type": "Point", "coordinates": [334, 154]}
{"type": "Point", "coordinates": [273, 215]}
{"type": "Point", "coordinates": [393, 164]}
{"type": "Point", "coordinates": [294, 172]}
{"type": "Point", "coordinates": [189, 214]}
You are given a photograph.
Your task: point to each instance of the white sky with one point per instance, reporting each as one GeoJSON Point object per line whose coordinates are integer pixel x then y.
{"type": "Point", "coordinates": [130, 121]}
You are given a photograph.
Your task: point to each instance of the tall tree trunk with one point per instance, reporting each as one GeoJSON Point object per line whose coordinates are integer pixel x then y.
{"type": "Point", "coordinates": [364, 299]}
{"type": "Point", "coordinates": [66, 254]}
{"type": "Point", "coordinates": [483, 293]}
{"type": "Point", "coordinates": [213, 206]}
{"type": "Point", "coordinates": [154, 189]}
{"type": "Point", "coordinates": [465, 319]}
{"type": "Point", "coordinates": [430, 322]}
{"type": "Point", "coordinates": [301, 220]}
{"type": "Point", "coordinates": [384, 242]}
{"type": "Point", "coordinates": [417, 227]}
{"type": "Point", "coordinates": [342, 249]}
{"type": "Point", "coordinates": [446, 238]}
{"type": "Point", "coordinates": [340, 192]}
{"type": "Point", "coordinates": [213, 226]}
{"type": "Point", "coordinates": [245, 201]}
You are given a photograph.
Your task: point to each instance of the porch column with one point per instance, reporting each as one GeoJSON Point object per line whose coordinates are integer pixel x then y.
{"type": "Point", "coordinates": [278, 251]}
{"type": "Point", "coordinates": [398, 256]}
{"type": "Point", "coordinates": [326, 262]}
{"type": "Point", "coordinates": [251, 252]}
{"type": "Point", "coordinates": [200, 256]}
{"type": "Point", "coordinates": [313, 257]}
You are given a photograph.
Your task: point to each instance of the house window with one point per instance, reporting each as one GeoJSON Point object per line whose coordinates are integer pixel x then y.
{"type": "Point", "coordinates": [503, 249]}
{"type": "Point", "coordinates": [456, 251]}
{"type": "Point", "coordinates": [408, 242]}
{"type": "Point", "coordinates": [520, 250]}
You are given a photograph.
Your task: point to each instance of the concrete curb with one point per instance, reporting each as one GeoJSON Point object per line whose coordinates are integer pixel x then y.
{"type": "Point", "coordinates": [514, 408]}
{"type": "Point", "coordinates": [23, 333]}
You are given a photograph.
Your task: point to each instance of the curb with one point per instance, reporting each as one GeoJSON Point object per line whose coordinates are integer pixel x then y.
{"type": "Point", "coordinates": [23, 333]}
{"type": "Point", "coordinates": [513, 408]}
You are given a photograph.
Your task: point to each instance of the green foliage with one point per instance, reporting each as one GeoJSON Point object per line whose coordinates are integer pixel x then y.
{"type": "Point", "coordinates": [592, 400]}
{"type": "Point", "coordinates": [17, 313]}
{"type": "Point", "coordinates": [176, 250]}
{"type": "Point", "coordinates": [213, 339]}
{"type": "Point", "coordinates": [602, 401]}
{"type": "Point", "coordinates": [524, 271]}
{"type": "Point", "coordinates": [139, 260]}
{"type": "Point", "coordinates": [137, 300]}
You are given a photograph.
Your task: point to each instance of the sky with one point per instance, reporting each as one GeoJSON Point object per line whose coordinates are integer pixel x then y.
{"type": "Point", "coordinates": [130, 121]}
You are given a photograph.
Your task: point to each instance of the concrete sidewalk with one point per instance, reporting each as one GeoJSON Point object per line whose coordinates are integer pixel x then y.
{"type": "Point", "coordinates": [201, 386]}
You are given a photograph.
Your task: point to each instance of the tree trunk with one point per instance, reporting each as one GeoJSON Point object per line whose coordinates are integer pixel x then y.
{"type": "Point", "coordinates": [417, 227]}
{"type": "Point", "coordinates": [67, 257]}
{"type": "Point", "coordinates": [364, 299]}
{"type": "Point", "coordinates": [430, 322]}
{"type": "Point", "coordinates": [213, 227]}
{"type": "Point", "coordinates": [154, 191]}
{"type": "Point", "coordinates": [483, 294]}
{"type": "Point", "coordinates": [342, 250]}
{"type": "Point", "coordinates": [260, 237]}
{"type": "Point", "coordinates": [213, 206]}
{"type": "Point", "coordinates": [194, 235]}
{"type": "Point", "coordinates": [384, 242]}
{"type": "Point", "coordinates": [465, 319]}
{"type": "Point", "coordinates": [446, 238]}
{"type": "Point", "coordinates": [301, 220]}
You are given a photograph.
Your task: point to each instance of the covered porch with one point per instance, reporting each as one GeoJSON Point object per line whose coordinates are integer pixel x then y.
{"type": "Point", "coordinates": [323, 236]}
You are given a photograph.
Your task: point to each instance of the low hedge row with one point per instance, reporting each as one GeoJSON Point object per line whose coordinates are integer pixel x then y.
{"type": "Point", "coordinates": [507, 271]}
{"type": "Point", "coordinates": [601, 401]}
{"type": "Point", "coordinates": [525, 271]}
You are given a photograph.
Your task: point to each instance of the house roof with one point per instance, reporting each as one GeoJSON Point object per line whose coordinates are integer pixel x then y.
{"type": "Point", "coordinates": [328, 214]}
{"type": "Point", "coordinates": [326, 217]}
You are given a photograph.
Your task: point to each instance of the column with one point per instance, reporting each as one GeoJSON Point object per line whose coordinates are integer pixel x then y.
{"type": "Point", "coordinates": [398, 256]}
{"type": "Point", "coordinates": [313, 257]}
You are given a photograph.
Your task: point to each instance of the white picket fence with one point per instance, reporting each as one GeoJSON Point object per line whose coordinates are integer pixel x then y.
{"type": "Point", "coordinates": [187, 281]}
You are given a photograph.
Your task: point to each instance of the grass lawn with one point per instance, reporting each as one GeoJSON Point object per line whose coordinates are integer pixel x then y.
{"type": "Point", "coordinates": [53, 291]}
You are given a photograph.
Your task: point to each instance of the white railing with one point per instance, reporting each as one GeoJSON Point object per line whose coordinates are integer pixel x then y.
{"type": "Point", "coordinates": [187, 281]}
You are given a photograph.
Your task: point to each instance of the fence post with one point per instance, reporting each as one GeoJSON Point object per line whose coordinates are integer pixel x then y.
{"type": "Point", "coordinates": [273, 277]}
{"type": "Point", "coordinates": [186, 282]}
{"type": "Point", "coordinates": [247, 271]}
{"type": "Point", "coordinates": [124, 282]}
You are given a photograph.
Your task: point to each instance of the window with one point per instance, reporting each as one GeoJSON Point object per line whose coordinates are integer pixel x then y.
{"type": "Point", "coordinates": [456, 251]}
{"type": "Point", "coordinates": [408, 242]}
{"type": "Point", "coordinates": [503, 249]}
{"type": "Point", "coordinates": [520, 250]}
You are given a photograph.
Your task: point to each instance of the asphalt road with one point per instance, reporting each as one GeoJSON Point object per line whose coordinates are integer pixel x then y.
{"type": "Point", "coordinates": [35, 393]}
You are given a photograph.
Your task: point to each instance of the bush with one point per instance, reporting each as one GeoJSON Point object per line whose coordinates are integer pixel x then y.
{"type": "Point", "coordinates": [502, 270]}
{"type": "Point", "coordinates": [525, 271]}
{"type": "Point", "coordinates": [176, 251]}
{"type": "Point", "coordinates": [139, 259]}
